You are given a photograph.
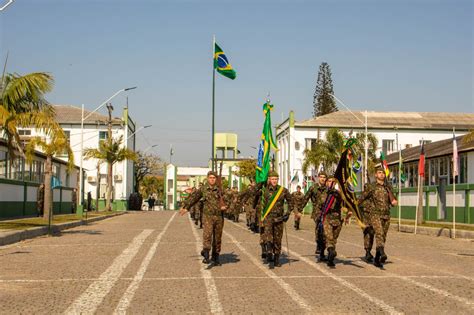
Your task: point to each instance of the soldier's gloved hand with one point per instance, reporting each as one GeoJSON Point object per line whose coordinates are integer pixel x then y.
{"type": "Point", "coordinates": [285, 217]}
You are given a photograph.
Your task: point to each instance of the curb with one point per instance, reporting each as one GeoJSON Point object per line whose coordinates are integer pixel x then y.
{"type": "Point", "coordinates": [11, 237]}
{"type": "Point", "coordinates": [446, 232]}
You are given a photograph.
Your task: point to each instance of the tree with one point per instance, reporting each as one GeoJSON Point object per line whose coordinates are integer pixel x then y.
{"type": "Point", "coordinates": [246, 169]}
{"type": "Point", "coordinates": [323, 102]}
{"type": "Point", "coordinates": [22, 104]}
{"type": "Point", "coordinates": [146, 164]}
{"type": "Point", "coordinates": [110, 152]}
{"type": "Point", "coordinates": [359, 149]}
{"type": "Point", "coordinates": [152, 185]}
{"type": "Point", "coordinates": [56, 143]}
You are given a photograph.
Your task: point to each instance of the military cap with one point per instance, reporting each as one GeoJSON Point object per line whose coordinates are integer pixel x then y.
{"type": "Point", "coordinates": [379, 167]}
{"type": "Point", "coordinates": [322, 173]}
{"type": "Point", "coordinates": [212, 173]}
{"type": "Point", "coordinates": [273, 174]}
{"type": "Point", "coordinates": [330, 176]}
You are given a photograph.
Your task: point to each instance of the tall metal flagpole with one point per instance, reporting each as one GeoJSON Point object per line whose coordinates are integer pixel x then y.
{"type": "Point", "coordinates": [399, 184]}
{"type": "Point", "coordinates": [213, 99]}
{"type": "Point", "coordinates": [454, 188]}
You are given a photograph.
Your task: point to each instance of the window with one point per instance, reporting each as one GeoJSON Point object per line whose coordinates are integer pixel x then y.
{"type": "Point", "coordinates": [310, 143]}
{"type": "Point", "coordinates": [3, 164]}
{"type": "Point", "coordinates": [37, 172]}
{"type": "Point", "coordinates": [297, 146]}
{"type": "Point", "coordinates": [24, 132]}
{"type": "Point", "coordinates": [102, 136]}
{"type": "Point", "coordinates": [388, 146]}
{"type": "Point", "coordinates": [17, 169]}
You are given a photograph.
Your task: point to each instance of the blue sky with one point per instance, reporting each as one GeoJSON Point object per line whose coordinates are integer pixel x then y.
{"type": "Point", "coordinates": [384, 55]}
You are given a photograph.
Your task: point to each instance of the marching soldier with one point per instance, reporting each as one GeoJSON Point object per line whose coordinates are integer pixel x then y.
{"type": "Point", "coordinates": [316, 194]}
{"type": "Point", "coordinates": [332, 218]}
{"type": "Point", "coordinates": [368, 231]}
{"type": "Point", "coordinates": [298, 203]}
{"type": "Point", "coordinates": [213, 220]}
{"type": "Point", "coordinates": [274, 197]}
{"type": "Point", "coordinates": [378, 199]}
{"type": "Point", "coordinates": [247, 198]}
{"type": "Point", "coordinates": [235, 204]}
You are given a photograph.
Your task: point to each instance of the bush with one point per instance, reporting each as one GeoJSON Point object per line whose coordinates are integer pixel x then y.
{"type": "Point", "coordinates": [135, 201]}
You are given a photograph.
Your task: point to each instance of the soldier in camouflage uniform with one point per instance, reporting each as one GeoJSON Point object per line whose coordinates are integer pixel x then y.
{"type": "Point", "coordinates": [332, 219]}
{"type": "Point", "coordinates": [247, 198]}
{"type": "Point", "coordinates": [273, 223]}
{"type": "Point", "coordinates": [236, 206]}
{"type": "Point", "coordinates": [368, 231]}
{"type": "Point", "coordinates": [316, 194]}
{"type": "Point", "coordinates": [40, 200]}
{"type": "Point", "coordinates": [213, 220]}
{"type": "Point", "coordinates": [298, 205]}
{"type": "Point", "coordinates": [377, 199]}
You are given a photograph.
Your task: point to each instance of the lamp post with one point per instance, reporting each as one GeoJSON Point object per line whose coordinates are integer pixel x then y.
{"type": "Point", "coordinates": [366, 146]}
{"type": "Point", "coordinates": [82, 134]}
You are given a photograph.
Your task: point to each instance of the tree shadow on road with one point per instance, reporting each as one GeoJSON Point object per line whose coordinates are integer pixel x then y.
{"type": "Point", "coordinates": [89, 232]}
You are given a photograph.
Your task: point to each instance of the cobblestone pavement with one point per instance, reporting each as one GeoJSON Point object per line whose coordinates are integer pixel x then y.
{"type": "Point", "coordinates": [148, 262]}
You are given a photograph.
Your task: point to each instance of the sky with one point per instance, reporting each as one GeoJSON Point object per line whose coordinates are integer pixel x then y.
{"type": "Point", "coordinates": [384, 55]}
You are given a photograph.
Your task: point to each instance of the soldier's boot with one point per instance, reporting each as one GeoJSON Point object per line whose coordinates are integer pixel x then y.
{"type": "Point", "coordinates": [368, 256]}
{"type": "Point", "coordinates": [215, 259]}
{"type": "Point", "coordinates": [383, 256]}
{"type": "Point", "coordinates": [264, 251]}
{"type": "Point", "coordinates": [276, 261]}
{"type": "Point", "coordinates": [248, 222]}
{"type": "Point", "coordinates": [297, 225]}
{"type": "Point", "coordinates": [205, 254]}
{"type": "Point", "coordinates": [322, 257]}
{"type": "Point", "coordinates": [331, 255]}
{"type": "Point", "coordinates": [269, 247]}
{"type": "Point", "coordinates": [318, 249]}
{"type": "Point", "coordinates": [377, 262]}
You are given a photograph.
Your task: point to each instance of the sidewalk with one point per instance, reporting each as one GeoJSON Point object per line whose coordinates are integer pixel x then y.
{"type": "Point", "coordinates": [12, 231]}
{"type": "Point", "coordinates": [432, 228]}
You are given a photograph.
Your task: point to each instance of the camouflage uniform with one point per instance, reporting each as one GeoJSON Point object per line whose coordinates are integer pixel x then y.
{"type": "Point", "coordinates": [317, 195]}
{"type": "Point", "coordinates": [273, 224]}
{"type": "Point", "coordinates": [213, 221]}
{"type": "Point", "coordinates": [247, 198]}
{"type": "Point", "coordinates": [332, 222]}
{"type": "Point", "coordinates": [235, 205]}
{"type": "Point", "coordinates": [40, 200]}
{"type": "Point", "coordinates": [299, 203]}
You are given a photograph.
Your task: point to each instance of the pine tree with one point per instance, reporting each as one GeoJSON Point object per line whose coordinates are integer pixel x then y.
{"type": "Point", "coordinates": [323, 102]}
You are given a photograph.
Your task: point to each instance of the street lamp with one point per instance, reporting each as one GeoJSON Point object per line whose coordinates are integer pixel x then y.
{"type": "Point", "coordinates": [138, 130]}
{"type": "Point", "coordinates": [82, 134]}
{"type": "Point", "coordinates": [364, 123]}
{"type": "Point", "coordinates": [150, 147]}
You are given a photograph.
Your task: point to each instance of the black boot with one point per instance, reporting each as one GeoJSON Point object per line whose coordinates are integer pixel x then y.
{"type": "Point", "coordinates": [368, 256]}
{"type": "Point", "coordinates": [297, 225]}
{"type": "Point", "coordinates": [264, 251]}
{"type": "Point", "coordinates": [215, 259]}
{"type": "Point", "coordinates": [205, 254]}
{"type": "Point", "coordinates": [269, 247]}
{"type": "Point", "coordinates": [276, 262]}
{"type": "Point", "coordinates": [377, 262]}
{"type": "Point", "coordinates": [331, 255]}
{"type": "Point", "coordinates": [383, 256]}
{"type": "Point", "coordinates": [322, 257]}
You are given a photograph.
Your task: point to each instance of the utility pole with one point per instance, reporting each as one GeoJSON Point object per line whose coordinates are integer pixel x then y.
{"type": "Point", "coordinates": [108, 196]}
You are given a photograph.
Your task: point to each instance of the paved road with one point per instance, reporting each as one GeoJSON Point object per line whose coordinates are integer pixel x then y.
{"type": "Point", "coordinates": [148, 262]}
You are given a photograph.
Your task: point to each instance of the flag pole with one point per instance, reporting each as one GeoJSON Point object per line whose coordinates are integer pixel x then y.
{"type": "Point", "coordinates": [213, 99]}
{"type": "Point", "coordinates": [418, 194]}
{"type": "Point", "coordinates": [399, 184]}
{"type": "Point", "coordinates": [454, 186]}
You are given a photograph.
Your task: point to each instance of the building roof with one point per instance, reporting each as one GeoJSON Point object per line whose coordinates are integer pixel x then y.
{"type": "Point", "coordinates": [68, 114]}
{"type": "Point", "coordinates": [433, 149]}
{"type": "Point", "coordinates": [390, 120]}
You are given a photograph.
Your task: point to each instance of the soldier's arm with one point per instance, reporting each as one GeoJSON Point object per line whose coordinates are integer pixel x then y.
{"type": "Point", "coordinates": [290, 200]}
{"type": "Point", "coordinates": [366, 194]}
{"type": "Point", "coordinates": [308, 196]}
{"type": "Point", "coordinates": [192, 200]}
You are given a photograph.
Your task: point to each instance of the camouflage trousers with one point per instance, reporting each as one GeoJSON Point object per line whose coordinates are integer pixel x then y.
{"type": "Point", "coordinates": [212, 226]}
{"type": "Point", "coordinates": [250, 214]}
{"type": "Point", "coordinates": [332, 228]}
{"type": "Point", "coordinates": [319, 234]}
{"type": "Point", "coordinates": [380, 226]}
{"type": "Point", "coordinates": [272, 233]}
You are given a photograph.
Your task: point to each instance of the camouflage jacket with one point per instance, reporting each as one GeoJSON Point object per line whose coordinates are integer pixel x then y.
{"type": "Point", "coordinates": [299, 201]}
{"type": "Point", "coordinates": [376, 200]}
{"type": "Point", "coordinates": [317, 194]}
{"type": "Point", "coordinates": [210, 199]}
{"type": "Point", "coordinates": [247, 196]}
{"type": "Point", "coordinates": [334, 213]}
{"type": "Point", "coordinates": [278, 209]}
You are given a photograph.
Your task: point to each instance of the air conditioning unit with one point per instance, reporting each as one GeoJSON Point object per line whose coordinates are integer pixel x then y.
{"type": "Point", "coordinates": [118, 178]}
{"type": "Point", "coordinates": [91, 179]}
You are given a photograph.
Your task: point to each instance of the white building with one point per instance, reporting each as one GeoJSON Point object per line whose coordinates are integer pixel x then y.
{"type": "Point", "coordinates": [293, 137]}
{"type": "Point", "coordinates": [94, 131]}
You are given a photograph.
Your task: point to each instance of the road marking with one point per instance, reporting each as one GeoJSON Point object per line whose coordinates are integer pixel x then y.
{"type": "Point", "coordinates": [387, 308]}
{"type": "Point", "coordinates": [90, 299]}
{"type": "Point", "coordinates": [419, 284]}
{"type": "Point", "coordinates": [211, 289]}
{"type": "Point", "coordinates": [285, 286]}
{"type": "Point", "coordinates": [128, 295]}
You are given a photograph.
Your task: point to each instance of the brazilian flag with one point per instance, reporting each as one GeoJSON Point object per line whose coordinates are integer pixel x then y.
{"type": "Point", "coordinates": [222, 64]}
{"type": "Point", "coordinates": [267, 142]}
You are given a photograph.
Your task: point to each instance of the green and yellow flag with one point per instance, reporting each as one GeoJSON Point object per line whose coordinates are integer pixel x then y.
{"type": "Point", "coordinates": [267, 141]}
{"type": "Point", "coordinates": [222, 64]}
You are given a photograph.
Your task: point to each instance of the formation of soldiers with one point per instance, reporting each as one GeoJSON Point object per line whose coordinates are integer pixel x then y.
{"type": "Point", "coordinates": [266, 214]}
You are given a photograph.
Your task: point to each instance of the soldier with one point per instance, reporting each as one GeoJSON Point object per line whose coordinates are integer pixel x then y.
{"type": "Point", "coordinates": [368, 231]}
{"type": "Point", "coordinates": [332, 218]}
{"type": "Point", "coordinates": [247, 198]}
{"type": "Point", "coordinates": [316, 194]}
{"type": "Point", "coordinates": [378, 199]}
{"type": "Point", "coordinates": [213, 220]}
{"type": "Point", "coordinates": [236, 205]}
{"type": "Point", "coordinates": [298, 202]}
{"type": "Point", "coordinates": [40, 200]}
{"type": "Point", "coordinates": [274, 197]}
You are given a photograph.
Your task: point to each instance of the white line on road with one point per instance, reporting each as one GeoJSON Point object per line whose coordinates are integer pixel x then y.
{"type": "Point", "coordinates": [90, 299]}
{"type": "Point", "coordinates": [211, 289]}
{"type": "Point", "coordinates": [128, 295]}
{"type": "Point", "coordinates": [285, 286]}
{"type": "Point", "coordinates": [387, 308]}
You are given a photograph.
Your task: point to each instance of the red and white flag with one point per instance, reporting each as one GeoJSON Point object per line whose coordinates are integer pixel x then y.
{"type": "Point", "coordinates": [455, 157]}
{"type": "Point", "coordinates": [421, 163]}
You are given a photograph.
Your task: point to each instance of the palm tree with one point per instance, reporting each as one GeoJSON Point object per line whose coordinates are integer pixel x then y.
{"type": "Point", "coordinates": [110, 152]}
{"type": "Point", "coordinates": [468, 137]}
{"type": "Point", "coordinates": [359, 149]}
{"type": "Point", "coordinates": [55, 145]}
{"type": "Point", "coordinates": [22, 104]}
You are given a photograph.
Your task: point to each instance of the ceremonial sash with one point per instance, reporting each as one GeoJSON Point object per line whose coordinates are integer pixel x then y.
{"type": "Point", "coordinates": [271, 203]}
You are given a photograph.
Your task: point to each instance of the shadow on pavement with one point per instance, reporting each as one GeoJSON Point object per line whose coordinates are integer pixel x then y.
{"type": "Point", "coordinates": [90, 232]}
